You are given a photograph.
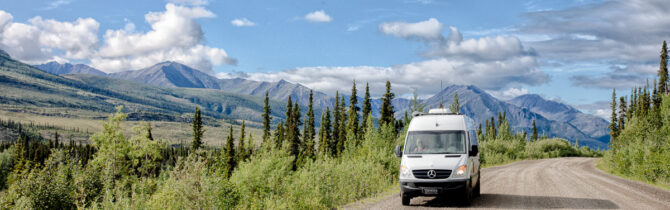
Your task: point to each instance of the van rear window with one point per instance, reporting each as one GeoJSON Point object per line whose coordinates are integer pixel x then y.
{"type": "Point", "coordinates": [435, 142]}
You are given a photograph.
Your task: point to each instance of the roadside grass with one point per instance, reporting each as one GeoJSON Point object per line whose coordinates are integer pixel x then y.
{"type": "Point", "coordinates": [600, 164]}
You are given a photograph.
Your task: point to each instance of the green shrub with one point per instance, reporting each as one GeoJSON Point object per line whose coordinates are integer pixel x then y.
{"type": "Point", "coordinates": [6, 165]}
{"type": "Point", "coordinates": [47, 187]}
{"type": "Point", "coordinates": [191, 186]}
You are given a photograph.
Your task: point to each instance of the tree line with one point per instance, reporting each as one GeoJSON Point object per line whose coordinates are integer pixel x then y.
{"type": "Point", "coordinates": [640, 129]}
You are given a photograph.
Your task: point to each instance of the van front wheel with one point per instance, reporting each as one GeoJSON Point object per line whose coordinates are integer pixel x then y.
{"type": "Point", "coordinates": [405, 200]}
{"type": "Point", "coordinates": [467, 195]}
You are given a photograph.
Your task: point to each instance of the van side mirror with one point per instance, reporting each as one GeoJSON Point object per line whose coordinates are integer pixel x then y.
{"type": "Point", "coordinates": [474, 150]}
{"type": "Point", "coordinates": [398, 152]}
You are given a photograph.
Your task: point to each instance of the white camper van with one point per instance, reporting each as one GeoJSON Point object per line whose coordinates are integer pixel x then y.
{"type": "Point", "coordinates": [440, 157]}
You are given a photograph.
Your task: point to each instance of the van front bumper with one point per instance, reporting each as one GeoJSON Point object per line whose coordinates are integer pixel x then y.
{"type": "Point", "coordinates": [419, 188]}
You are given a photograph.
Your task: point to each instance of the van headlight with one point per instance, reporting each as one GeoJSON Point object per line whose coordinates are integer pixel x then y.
{"type": "Point", "coordinates": [404, 172]}
{"type": "Point", "coordinates": [460, 172]}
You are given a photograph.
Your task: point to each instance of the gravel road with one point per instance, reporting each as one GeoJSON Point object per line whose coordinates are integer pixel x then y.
{"type": "Point", "coordinates": [571, 183]}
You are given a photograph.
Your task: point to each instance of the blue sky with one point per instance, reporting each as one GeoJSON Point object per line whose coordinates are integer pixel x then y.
{"type": "Point", "coordinates": [572, 51]}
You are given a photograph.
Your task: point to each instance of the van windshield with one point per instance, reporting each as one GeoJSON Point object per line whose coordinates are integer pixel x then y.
{"type": "Point", "coordinates": [435, 142]}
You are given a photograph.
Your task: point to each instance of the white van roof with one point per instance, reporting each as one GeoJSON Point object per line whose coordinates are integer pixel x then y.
{"type": "Point", "coordinates": [433, 122]}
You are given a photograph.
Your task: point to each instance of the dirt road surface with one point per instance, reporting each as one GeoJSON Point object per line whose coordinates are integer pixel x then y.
{"type": "Point", "coordinates": [570, 183]}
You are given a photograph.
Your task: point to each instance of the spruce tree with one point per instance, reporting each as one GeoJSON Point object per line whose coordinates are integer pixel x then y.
{"type": "Point", "coordinates": [336, 122]}
{"type": "Point", "coordinates": [229, 154]}
{"type": "Point", "coordinates": [663, 71]}
{"type": "Point", "coordinates": [387, 108]}
{"type": "Point", "coordinates": [267, 118]}
{"type": "Point", "coordinates": [342, 135]}
{"type": "Point", "coordinates": [279, 135]}
{"type": "Point", "coordinates": [293, 136]}
{"type": "Point", "coordinates": [353, 113]}
{"type": "Point", "coordinates": [455, 106]}
{"type": "Point", "coordinates": [241, 148]}
{"type": "Point", "coordinates": [325, 137]}
{"type": "Point", "coordinates": [288, 129]}
{"type": "Point", "coordinates": [479, 131]}
{"type": "Point", "coordinates": [622, 113]}
{"type": "Point", "coordinates": [614, 129]}
{"type": "Point", "coordinates": [533, 137]}
{"type": "Point", "coordinates": [149, 134]}
{"type": "Point", "coordinates": [308, 131]}
{"type": "Point", "coordinates": [197, 130]}
{"type": "Point", "coordinates": [367, 109]}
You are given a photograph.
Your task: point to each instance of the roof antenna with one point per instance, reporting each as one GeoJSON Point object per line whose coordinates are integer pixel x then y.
{"type": "Point", "coordinates": [441, 100]}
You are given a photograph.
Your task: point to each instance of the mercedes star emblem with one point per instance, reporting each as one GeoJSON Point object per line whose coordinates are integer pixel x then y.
{"type": "Point", "coordinates": [431, 174]}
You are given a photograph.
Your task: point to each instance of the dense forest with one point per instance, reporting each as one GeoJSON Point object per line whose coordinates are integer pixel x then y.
{"type": "Point", "coordinates": [295, 166]}
{"type": "Point", "coordinates": [640, 130]}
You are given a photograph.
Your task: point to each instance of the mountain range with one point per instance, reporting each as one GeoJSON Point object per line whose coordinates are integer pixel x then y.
{"type": "Point", "coordinates": [552, 118]}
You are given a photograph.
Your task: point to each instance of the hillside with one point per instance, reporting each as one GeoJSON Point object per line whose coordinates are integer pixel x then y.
{"type": "Point", "coordinates": [26, 86]}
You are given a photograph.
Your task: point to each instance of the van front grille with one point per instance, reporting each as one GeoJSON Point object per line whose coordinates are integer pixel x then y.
{"type": "Point", "coordinates": [439, 174]}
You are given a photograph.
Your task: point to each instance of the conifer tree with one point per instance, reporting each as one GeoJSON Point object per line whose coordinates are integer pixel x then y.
{"type": "Point", "coordinates": [250, 145]}
{"type": "Point", "coordinates": [631, 105]}
{"type": "Point", "coordinates": [279, 135]}
{"type": "Point", "coordinates": [325, 137]}
{"type": "Point", "coordinates": [387, 108]}
{"type": "Point", "coordinates": [533, 137]}
{"type": "Point", "coordinates": [416, 106]}
{"type": "Point", "coordinates": [622, 113]}
{"type": "Point", "coordinates": [229, 154]}
{"type": "Point", "coordinates": [267, 118]}
{"type": "Point", "coordinates": [197, 130]}
{"type": "Point", "coordinates": [241, 148]}
{"type": "Point", "coordinates": [656, 99]}
{"type": "Point", "coordinates": [614, 129]}
{"type": "Point", "coordinates": [308, 130]}
{"type": "Point", "coordinates": [352, 126]}
{"type": "Point", "coordinates": [293, 137]}
{"type": "Point", "coordinates": [455, 106]}
{"type": "Point", "coordinates": [367, 109]}
{"type": "Point", "coordinates": [336, 122]}
{"type": "Point", "coordinates": [663, 71]}
{"type": "Point", "coordinates": [342, 135]}
{"type": "Point", "coordinates": [479, 131]}
{"type": "Point", "coordinates": [149, 134]}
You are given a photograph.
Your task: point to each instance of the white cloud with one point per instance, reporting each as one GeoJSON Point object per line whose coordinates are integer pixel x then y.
{"type": "Point", "coordinates": [242, 22]}
{"type": "Point", "coordinates": [34, 42]}
{"type": "Point", "coordinates": [174, 36]}
{"type": "Point", "coordinates": [318, 16]}
{"type": "Point", "coordinates": [78, 39]}
{"type": "Point", "coordinates": [497, 64]}
{"type": "Point", "coordinates": [485, 48]}
{"type": "Point", "coordinates": [429, 29]}
{"type": "Point", "coordinates": [509, 93]}
{"type": "Point", "coordinates": [189, 2]}
{"type": "Point", "coordinates": [56, 4]}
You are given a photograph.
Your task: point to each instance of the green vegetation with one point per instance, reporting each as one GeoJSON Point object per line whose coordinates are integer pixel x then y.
{"type": "Point", "coordinates": [640, 146]}
{"type": "Point", "coordinates": [139, 170]}
{"type": "Point", "coordinates": [500, 145]}
{"type": "Point", "coordinates": [121, 170]}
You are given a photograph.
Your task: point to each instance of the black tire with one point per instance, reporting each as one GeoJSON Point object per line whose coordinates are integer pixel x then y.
{"type": "Point", "coordinates": [466, 198]}
{"type": "Point", "coordinates": [478, 191]}
{"type": "Point", "coordinates": [405, 200]}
